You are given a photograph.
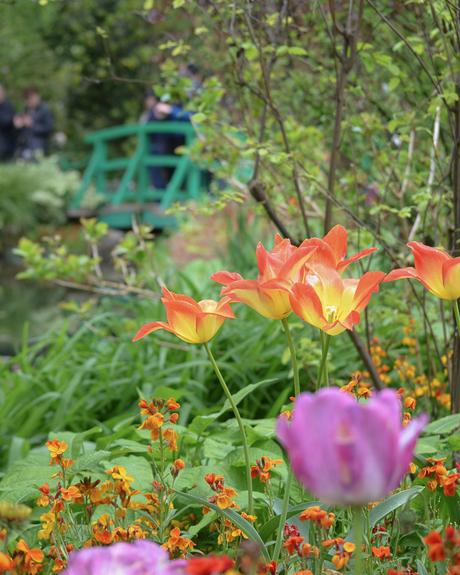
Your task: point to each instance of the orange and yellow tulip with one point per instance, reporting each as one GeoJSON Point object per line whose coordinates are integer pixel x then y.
{"type": "Point", "coordinates": [331, 303]}
{"type": "Point", "coordinates": [191, 321]}
{"type": "Point", "coordinates": [434, 269]}
{"type": "Point", "coordinates": [279, 269]}
{"type": "Point", "coordinates": [332, 250]}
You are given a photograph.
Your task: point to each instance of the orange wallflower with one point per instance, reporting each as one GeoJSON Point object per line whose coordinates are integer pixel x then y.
{"type": "Point", "coordinates": [331, 303]}
{"type": "Point", "coordinates": [44, 499]}
{"type": "Point", "coordinates": [6, 563]}
{"type": "Point", "coordinates": [321, 517]}
{"type": "Point", "coordinates": [170, 437]}
{"type": "Point", "coordinates": [191, 321]}
{"type": "Point", "coordinates": [278, 270]}
{"type": "Point", "coordinates": [71, 494]}
{"type": "Point", "coordinates": [293, 543]}
{"type": "Point", "coordinates": [178, 545]}
{"type": "Point", "coordinates": [211, 565]}
{"type": "Point", "coordinates": [28, 559]}
{"type": "Point", "coordinates": [435, 269]}
{"type": "Point", "coordinates": [383, 552]}
{"type": "Point", "coordinates": [263, 467]}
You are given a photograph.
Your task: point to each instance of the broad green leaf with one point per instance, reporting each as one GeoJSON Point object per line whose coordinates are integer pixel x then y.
{"type": "Point", "coordinates": [201, 422]}
{"type": "Point", "coordinates": [394, 502]}
{"type": "Point", "coordinates": [443, 425]}
{"type": "Point", "coordinates": [234, 517]}
{"type": "Point", "coordinates": [421, 568]}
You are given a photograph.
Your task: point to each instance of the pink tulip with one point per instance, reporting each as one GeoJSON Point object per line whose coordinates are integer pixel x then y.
{"type": "Point", "coordinates": [346, 452]}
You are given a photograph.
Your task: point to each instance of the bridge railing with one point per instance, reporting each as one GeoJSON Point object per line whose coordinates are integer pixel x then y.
{"type": "Point", "coordinates": [133, 192]}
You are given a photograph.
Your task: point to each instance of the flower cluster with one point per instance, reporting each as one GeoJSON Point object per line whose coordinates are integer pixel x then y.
{"type": "Point", "coordinates": [306, 280]}
{"type": "Point", "coordinates": [445, 547]}
{"type": "Point", "coordinates": [439, 477]}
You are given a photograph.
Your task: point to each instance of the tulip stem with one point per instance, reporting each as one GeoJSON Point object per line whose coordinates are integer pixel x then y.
{"type": "Point", "coordinates": [295, 366]}
{"type": "Point", "coordinates": [358, 539]}
{"type": "Point", "coordinates": [287, 492]}
{"type": "Point", "coordinates": [240, 425]}
{"type": "Point", "coordinates": [457, 316]}
{"type": "Point", "coordinates": [322, 372]}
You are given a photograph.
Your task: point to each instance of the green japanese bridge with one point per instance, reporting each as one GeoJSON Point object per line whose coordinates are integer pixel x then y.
{"type": "Point", "coordinates": [123, 183]}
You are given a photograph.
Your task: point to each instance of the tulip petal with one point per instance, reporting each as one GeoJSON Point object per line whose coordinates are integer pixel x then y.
{"type": "Point", "coordinates": [271, 302]}
{"type": "Point", "coordinates": [292, 267]}
{"type": "Point", "coordinates": [337, 238]}
{"type": "Point", "coordinates": [307, 305]}
{"type": "Point", "coordinates": [151, 327]}
{"type": "Point", "coordinates": [221, 308]}
{"type": "Point", "coordinates": [226, 278]}
{"type": "Point", "coordinates": [342, 266]}
{"type": "Point", "coordinates": [401, 273]}
{"type": "Point", "coordinates": [429, 263]}
{"type": "Point", "coordinates": [169, 296]}
{"type": "Point", "coordinates": [367, 285]}
{"type": "Point", "coordinates": [323, 254]}
{"type": "Point", "coordinates": [451, 278]}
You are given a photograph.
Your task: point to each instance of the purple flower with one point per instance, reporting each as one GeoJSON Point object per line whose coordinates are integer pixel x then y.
{"type": "Point", "coordinates": [345, 452]}
{"type": "Point", "coordinates": [138, 558]}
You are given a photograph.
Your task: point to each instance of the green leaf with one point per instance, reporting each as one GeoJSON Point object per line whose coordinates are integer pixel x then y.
{"type": "Point", "coordinates": [421, 568]}
{"type": "Point", "coordinates": [297, 51]}
{"type": "Point", "coordinates": [239, 521]}
{"type": "Point", "coordinates": [443, 425]}
{"type": "Point", "coordinates": [201, 422]}
{"type": "Point", "coordinates": [394, 502]}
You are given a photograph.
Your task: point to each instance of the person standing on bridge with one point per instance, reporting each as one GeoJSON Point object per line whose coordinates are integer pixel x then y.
{"type": "Point", "coordinates": [35, 126]}
{"type": "Point", "coordinates": [7, 131]}
{"type": "Point", "coordinates": [160, 144]}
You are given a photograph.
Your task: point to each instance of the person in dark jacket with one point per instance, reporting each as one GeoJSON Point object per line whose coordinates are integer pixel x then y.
{"type": "Point", "coordinates": [7, 130]}
{"type": "Point", "coordinates": [160, 144]}
{"type": "Point", "coordinates": [35, 126]}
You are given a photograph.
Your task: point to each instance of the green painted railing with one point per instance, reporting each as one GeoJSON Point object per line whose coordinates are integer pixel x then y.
{"type": "Point", "coordinates": [131, 192]}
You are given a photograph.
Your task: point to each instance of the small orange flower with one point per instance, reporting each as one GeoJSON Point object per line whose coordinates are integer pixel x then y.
{"type": "Point", "coordinates": [263, 467]}
{"type": "Point", "coordinates": [30, 559]}
{"type": "Point", "coordinates": [71, 494]}
{"type": "Point", "coordinates": [293, 543]}
{"type": "Point", "coordinates": [178, 545]}
{"type": "Point", "coordinates": [383, 552]}
{"type": "Point", "coordinates": [6, 563]}
{"type": "Point", "coordinates": [44, 499]}
{"type": "Point", "coordinates": [319, 516]}
{"type": "Point", "coordinates": [170, 437]}
{"type": "Point", "coordinates": [191, 321]}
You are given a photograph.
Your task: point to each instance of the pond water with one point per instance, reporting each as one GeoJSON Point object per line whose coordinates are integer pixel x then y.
{"type": "Point", "coordinates": [23, 301]}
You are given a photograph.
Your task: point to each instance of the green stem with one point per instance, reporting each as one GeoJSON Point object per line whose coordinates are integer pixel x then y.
{"type": "Point", "coordinates": [287, 492]}
{"type": "Point", "coordinates": [295, 367]}
{"type": "Point", "coordinates": [240, 425]}
{"type": "Point", "coordinates": [358, 539]}
{"type": "Point", "coordinates": [322, 372]}
{"type": "Point", "coordinates": [283, 516]}
{"type": "Point", "coordinates": [457, 315]}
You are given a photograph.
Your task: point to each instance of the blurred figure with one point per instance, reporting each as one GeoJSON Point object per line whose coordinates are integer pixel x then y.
{"type": "Point", "coordinates": [7, 130]}
{"type": "Point", "coordinates": [150, 101]}
{"type": "Point", "coordinates": [35, 126]}
{"type": "Point", "coordinates": [160, 144]}
{"type": "Point", "coordinates": [192, 72]}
